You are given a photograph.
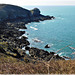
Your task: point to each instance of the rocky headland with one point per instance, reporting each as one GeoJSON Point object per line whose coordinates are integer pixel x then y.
{"type": "Point", "coordinates": [13, 18]}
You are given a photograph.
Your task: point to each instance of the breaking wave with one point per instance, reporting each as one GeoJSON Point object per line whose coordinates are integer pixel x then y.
{"type": "Point", "coordinates": [33, 28]}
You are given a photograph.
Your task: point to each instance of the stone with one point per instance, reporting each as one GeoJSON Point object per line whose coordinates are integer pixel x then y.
{"type": "Point", "coordinates": [27, 48]}
{"type": "Point", "coordinates": [47, 46]}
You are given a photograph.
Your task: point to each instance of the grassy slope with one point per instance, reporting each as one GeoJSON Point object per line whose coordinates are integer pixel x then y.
{"type": "Point", "coordinates": [11, 65]}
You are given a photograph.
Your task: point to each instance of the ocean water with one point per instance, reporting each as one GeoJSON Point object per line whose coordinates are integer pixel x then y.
{"type": "Point", "coordinates": [58, 33]}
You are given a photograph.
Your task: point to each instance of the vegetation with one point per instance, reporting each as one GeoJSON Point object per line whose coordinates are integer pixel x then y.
{"type": "Point", "coordinates": [4, 45]}
{"type": "Point", "coordinates": [10, 65]}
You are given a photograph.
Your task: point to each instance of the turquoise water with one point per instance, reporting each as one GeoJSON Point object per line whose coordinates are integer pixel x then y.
{"type": "Point", "coordinates": [58, 33]}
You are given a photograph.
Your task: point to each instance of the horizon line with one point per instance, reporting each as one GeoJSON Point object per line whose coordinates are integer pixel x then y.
{"type": "Point", "coordinates": [39, 5]}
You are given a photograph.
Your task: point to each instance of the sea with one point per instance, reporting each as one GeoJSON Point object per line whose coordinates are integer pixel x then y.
{"type": "Point", "coordinates": [59, 33]}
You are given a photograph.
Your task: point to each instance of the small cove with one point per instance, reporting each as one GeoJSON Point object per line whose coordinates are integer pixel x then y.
{"type": "Point", "coordinates": [58, 33]}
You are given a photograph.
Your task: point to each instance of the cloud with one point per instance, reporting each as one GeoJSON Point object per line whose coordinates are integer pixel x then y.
{"type": "Point", "coordinates": [38, 2]}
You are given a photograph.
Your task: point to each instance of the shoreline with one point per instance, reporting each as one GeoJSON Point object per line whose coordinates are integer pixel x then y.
{"type": "Point", "coordinates": [29, 60]}
{"type": "Point", "coordinates": [12, 46]}
{"type": "Point", "coordinates": [35, 40]}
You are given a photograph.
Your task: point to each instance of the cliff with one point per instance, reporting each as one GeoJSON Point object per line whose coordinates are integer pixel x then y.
{"type": "Point", "coordinates": [11, 12]}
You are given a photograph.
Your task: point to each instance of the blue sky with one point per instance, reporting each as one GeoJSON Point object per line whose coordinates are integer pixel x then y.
{"type": "Point", "coordinates": [38, 2]}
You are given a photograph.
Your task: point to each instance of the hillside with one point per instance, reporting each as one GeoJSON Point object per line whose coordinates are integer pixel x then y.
{"type": "Point", "coordinates": [15, 60]}
{"type": "Point", "coordinates": [10, 65]}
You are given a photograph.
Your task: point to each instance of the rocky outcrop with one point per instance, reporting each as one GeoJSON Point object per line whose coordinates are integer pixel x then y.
{"type": "Point", "coordinates": [12, 12]}
{"type": "Point", "coordinates": [47, 46]}
{"type": "Point", "coordinates": [45, 55]}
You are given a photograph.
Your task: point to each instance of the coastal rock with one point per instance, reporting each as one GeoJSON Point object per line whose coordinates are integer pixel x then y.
{"type": "Point", "coordinates": [16, 13]}
{"type": "Point", "coordinates": [27, 48]}
{"type": "Point", "coordinates": [38, 52]}
{"type": "Point", "coordinates": [47, 46]}
{"type": "Point", "coordinates": [23, 38]}
{"type": "Point", "coordinates": [45, 55]}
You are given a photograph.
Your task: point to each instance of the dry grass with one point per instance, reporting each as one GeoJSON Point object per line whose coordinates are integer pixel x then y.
{"type": "Point", "coordinates": [62, 67]}
{"type": "Point", "coordinates": [10, 65]}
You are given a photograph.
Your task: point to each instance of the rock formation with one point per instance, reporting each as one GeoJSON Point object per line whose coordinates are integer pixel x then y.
{"type": "Point", "coordinates": [47, 46]}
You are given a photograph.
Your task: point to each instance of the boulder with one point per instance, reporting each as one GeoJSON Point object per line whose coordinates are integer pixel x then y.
{"type": "Point", "coordinates": [27, 48]}
{"type": "Point", "coordinates": [47, 46]}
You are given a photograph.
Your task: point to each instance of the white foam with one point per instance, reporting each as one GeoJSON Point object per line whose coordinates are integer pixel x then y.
{"type": "Point", "coordinates": [60, 53]}
{"type": "Point", "coordinates": [23, 48]}
{"type": "Point", "coordinates": [25, 35]}
{"type": "Point", "coordinates": [33, 28]}
{"type": "Point", "coordinates": [37, 40]}
{"type": "Point", "coordinates": [20, 37]}
{"type": "Point", "coordinates": [22, 29]}
{"type": "Point", "coordinates": [55, 54]}
{"type": "Point", "coordinates": [72, 47]}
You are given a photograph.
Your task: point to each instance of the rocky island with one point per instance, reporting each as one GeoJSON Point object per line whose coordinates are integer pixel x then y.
{"type": "Point", "coordinates": [13, 18]}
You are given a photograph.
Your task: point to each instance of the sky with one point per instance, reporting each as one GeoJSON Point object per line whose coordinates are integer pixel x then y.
{"type": "Point", "coordinates": [38, 2]}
